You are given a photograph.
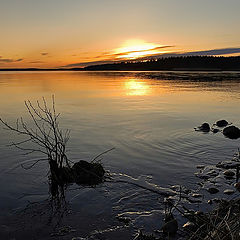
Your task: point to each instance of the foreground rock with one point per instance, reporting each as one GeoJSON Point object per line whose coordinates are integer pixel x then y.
{"type": "Point", "coordinates": [222, 123]}
{"type": "Point", "coordinates": [228, 164]}
{"type": "Point", "coordinates": [228, 191]}
{"type": "Point", "coordinates": [231, 132]}
{"type": "Point", "coordinates": [88, 173]}
{"type": "Point", "coordinates": [213, 190]}
{"type": "Point", "coordinates": [229, 173]}
{"type": "Point", "coordinates": [205, 127]}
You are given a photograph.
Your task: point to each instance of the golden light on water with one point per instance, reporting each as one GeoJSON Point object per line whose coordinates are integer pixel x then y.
{"type": "Point", "coordinates": [136, 88]}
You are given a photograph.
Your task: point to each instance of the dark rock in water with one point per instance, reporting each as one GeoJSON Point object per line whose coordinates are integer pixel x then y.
{"type": "Point", "coordinates": [213, 190]}
{"type": "Point", "coordinates": [237, 186]}
{"type": "Point", "coordinates": [88, 173]}
{"type": "Point", "coordinates": [229, 173]}
{"type": "Point", "coordinates": [200, 166]}
{"type": "Point", "coordinates": [222, 123]}
{"type": "Point", "coordinates": [170, 227]}
{"type": "Point", "coordinates": [204, 127]}
{"type": "Point", "coordinates": [228, 164]}
{"type": "Point", "coordinates": [215, 130]}
{"type": "Point", "coordinates": [231, 132]}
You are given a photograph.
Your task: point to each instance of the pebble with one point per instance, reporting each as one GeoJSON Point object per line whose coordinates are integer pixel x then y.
{"type": "Point", "coordinates": [228, 191]}
{"type": "Point", "coordinates": [200, 166]}
{"type": "Point", "coordinates": [228, 164]}
{"type": "Point", "coordinates": [215, 130]}
{"type": "Point", "coordinates": [189, 226]}
{"type": "Point", "coordinates": [237, 186]}
{"type": "Point", "coordinates": [212, 173]}
{"type": "Point", "coordinates": [196, 195]}
{"type": "Point", "coordinates": [213, 190]}
{"type": "Point", "coordinates": [197, 213]}
{"type": "Point", "coordinates": [229, 173]}
{"type": "Point", "coordinates": [210, 201]}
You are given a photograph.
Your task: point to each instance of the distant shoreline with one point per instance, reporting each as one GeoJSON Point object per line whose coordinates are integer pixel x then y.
{"type": "Point", "coordinates": [186, 63]}
{"type": "Point", "coordinates": [143, 70]}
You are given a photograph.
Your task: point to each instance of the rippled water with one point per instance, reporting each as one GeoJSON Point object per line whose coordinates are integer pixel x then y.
{"type": "Point", "coordinates": [148, 117]}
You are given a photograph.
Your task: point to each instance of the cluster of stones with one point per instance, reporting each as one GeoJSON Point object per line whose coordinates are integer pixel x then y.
{"type": "Point", "coordinates": [231, 132]}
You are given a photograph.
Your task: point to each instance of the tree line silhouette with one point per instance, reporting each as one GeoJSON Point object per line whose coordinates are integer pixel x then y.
{"type": "Point", "coordinates": [174, 63]}
{"type": "Point", "coordinates": [198, 63]}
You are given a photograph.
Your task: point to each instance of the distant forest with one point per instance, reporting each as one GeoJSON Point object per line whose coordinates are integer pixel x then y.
{"type": "Point", "coordinates": [188, 63]}
{"type": "Point", "coordinates": [174, 63]}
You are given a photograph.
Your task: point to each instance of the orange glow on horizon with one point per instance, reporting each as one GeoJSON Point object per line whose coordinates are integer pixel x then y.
{"type": "Point", "coordinates": [133, 49]}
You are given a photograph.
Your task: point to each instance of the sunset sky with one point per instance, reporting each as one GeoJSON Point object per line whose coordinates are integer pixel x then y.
{"type": "Point", "coordinates": [69, 33]}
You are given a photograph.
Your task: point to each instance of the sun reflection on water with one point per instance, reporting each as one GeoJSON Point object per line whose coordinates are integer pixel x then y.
{"type": "Point", "coordinates": [136, 88]}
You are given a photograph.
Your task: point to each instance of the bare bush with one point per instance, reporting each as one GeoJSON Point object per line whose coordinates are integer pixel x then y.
{"type": "Point", "coordinates": [46, 136]}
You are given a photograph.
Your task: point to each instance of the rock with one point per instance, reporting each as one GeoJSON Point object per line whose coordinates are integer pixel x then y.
{"type": "Point", "coordinates": [194, 200]}
{"type": "Point", "coordinates": [212, 173]}
{"type": "Point", "coordinates": [213, 190]}
{"type": "Point", "coordinates": [196, 195]}
{"type": "Point", "coordinates": [222, 123]}
{"type": "Point", "coordinates": [189, 226]}
{"type": "Point", "coordinates": [205, 127]}
{"type": "Point", "coordinates": [228, 164]}
{"type": "Point", "coordinates": [237, 186]}
{"type": "Point", "coordinates": [170, 227]}
{"type": "Point", "coordinates": [228, 191]}
{"type": "Point", "coordinates": [198, 213]}
{"type": "Point", "coordinates": [231, 132]}
{"type": "Point", "coordinates": [202, 176]}
{"type": "Point", "coordinates": [215, 130]}
{"type": "Point", "coordinates": [200, 166]}
{"type": "Point", "coordinates": [210, 201]}
{"type": "Point", "coordinates": [88, 173]}
{"type": "Point", "coordinates": [228, 173]}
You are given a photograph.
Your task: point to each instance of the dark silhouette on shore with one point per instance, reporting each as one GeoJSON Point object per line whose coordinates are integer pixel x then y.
{"type": "Point", "coordinates": [199, 63]}
{"type": "Point", "coordinates": [183, 63]}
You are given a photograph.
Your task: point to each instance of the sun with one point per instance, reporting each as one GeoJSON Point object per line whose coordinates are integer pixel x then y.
{"type": "Point", "coordinates": [133, 49]}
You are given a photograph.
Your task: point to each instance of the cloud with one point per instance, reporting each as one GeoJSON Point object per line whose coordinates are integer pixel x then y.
{"type": "Point", "coordinates": [221, 51]}
{"type": "Point", "coordinates": [111, 58]}
{"type": "Point", "coordinates": [44, 53]}
{"type": "Point", "coordinates": [36, 62]}
{"type": "Point", "coordinates": [9, 60]}
{"type": "Point", "coordinates": [212, 52]}
{"type": "Point", "coordinates": [84, 64]}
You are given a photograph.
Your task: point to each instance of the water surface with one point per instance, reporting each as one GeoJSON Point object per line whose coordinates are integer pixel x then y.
{"type": "Point", "coordinates": [148, 117]}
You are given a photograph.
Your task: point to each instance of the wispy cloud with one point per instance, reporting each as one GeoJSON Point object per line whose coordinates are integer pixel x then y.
{"type": "Point", "coordinates": [84, 64]}
{"type": "Point", "coordinates": [212, 52]}
{"type": "Point", "coordinates": [36, 62]}
{"type": "Point", "coordinates": [9, 60]}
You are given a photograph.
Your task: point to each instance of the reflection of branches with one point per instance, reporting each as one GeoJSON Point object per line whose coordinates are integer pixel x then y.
{"type": "Point", "coordinates": [47, 137]}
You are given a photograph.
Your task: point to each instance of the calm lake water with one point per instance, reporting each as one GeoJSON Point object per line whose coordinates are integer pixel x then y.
{"type": "Point", "coordinates": [148, 117]}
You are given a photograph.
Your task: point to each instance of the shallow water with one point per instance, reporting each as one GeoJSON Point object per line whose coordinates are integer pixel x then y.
{"type": "Point", "coordinates": [148, 117]}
